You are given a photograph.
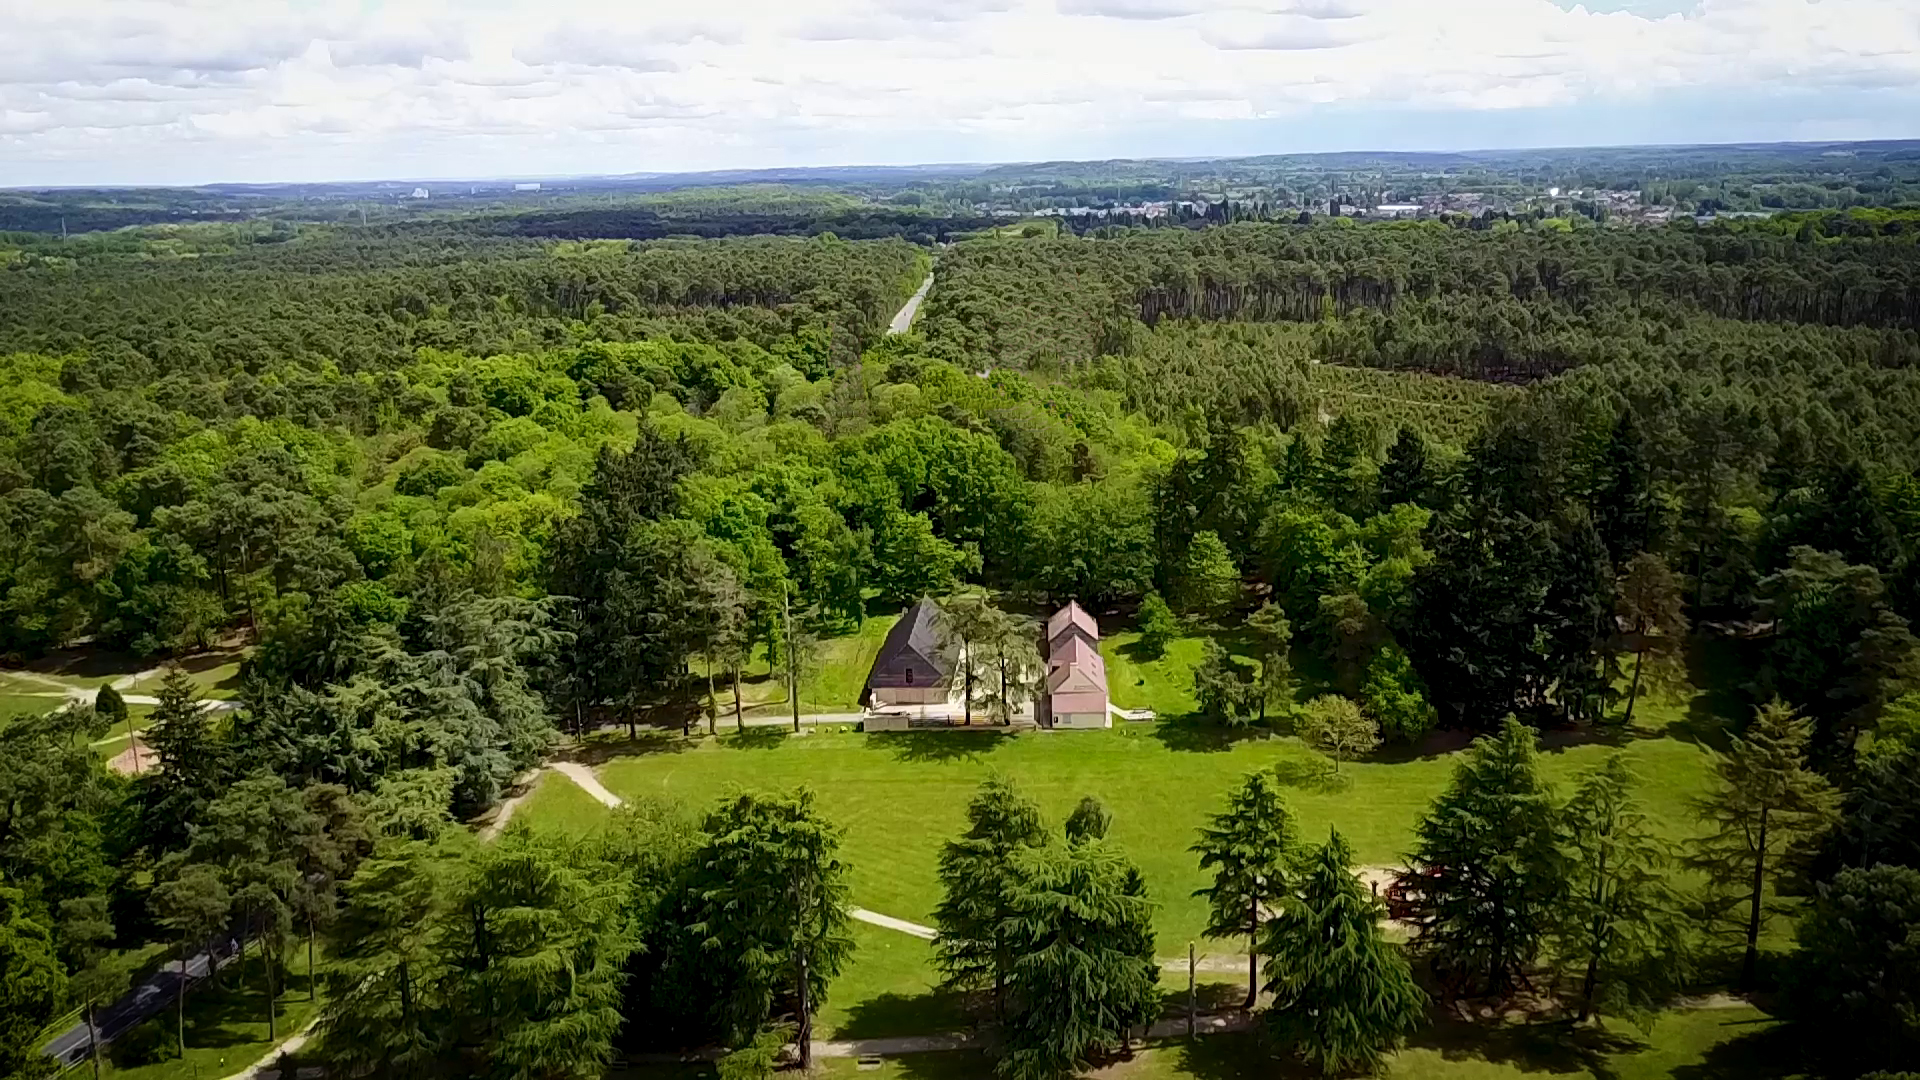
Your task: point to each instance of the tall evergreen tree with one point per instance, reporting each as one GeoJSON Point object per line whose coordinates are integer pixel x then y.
{"type": "Point", "coordinates": [771, 910]}
{"type": "Point", "coordinates": [1251, 847]}
{"type": "Point", "coordinates": [1084, 972]}
{"type": "Point", "coordinates": [1626, 508]}
{"type": "Point", "coordinates": [187, 765]}
{"type": "Point", "coordinates": [1274, 635]}
{"type": "Point", "coordinates": [1620, 921]}
{"type": "Point", "coordinates": [1768, 802]}
{"type": "Point", "coordinates": [1405, 477]}
{"type": "Point", "coordinates": [1342, 994]}
{"type": "Point", "coordinates": [1880, 819]}
{"type": "Point", "coordinates": [977, 882]}
{"type": "Point", "coordinates": [1854, 981]}
{"type": "Point", "coordinates": [1650, 606]}
{"type": "Point", "coordinates": [1486, 872]}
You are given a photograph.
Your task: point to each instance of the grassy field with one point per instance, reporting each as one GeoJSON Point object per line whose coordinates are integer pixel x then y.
{"type": "Point", "coordinates": [900, 796]}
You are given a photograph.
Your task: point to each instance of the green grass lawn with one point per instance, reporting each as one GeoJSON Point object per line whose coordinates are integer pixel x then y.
{"type": "Point", "coordinates": [900, 796]}
{"type": "Point", "coordinates": [558, 803]}
{"type": "Point", "coordinates": [840, 674]}
{"type": "Point", "coordinates": [1164, 685]}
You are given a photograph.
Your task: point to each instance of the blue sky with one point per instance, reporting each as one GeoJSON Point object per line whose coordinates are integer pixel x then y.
{"type": "Point", "coordinates": [193, 91]}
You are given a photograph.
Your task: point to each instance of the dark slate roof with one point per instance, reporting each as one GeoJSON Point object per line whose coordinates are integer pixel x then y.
{"type": "Point", "coordinates": [914, 639]}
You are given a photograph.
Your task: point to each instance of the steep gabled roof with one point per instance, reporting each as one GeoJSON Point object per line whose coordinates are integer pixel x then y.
{"type": "Point", "coordinates": [913, 641]}
{"type": "Point", "coordinates": [1073, 615]}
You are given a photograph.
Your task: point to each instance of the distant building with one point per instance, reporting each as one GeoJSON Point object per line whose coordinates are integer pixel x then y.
{"type": "Point", "coordinates": [535, 186]}
{"type": "Point", "coordinates": [1397, 210]}
{"type": "Point", "coordinates": [419, 193]}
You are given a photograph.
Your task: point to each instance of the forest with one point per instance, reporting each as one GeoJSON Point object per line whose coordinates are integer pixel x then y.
{"type": "Point", "coordinates": [466, 492]}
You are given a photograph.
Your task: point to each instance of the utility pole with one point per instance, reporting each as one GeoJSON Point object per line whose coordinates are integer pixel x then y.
{"type": "Point", "coordinates": [1193, 1003]}
{"type": "Point", "coordinates": [793, 667]}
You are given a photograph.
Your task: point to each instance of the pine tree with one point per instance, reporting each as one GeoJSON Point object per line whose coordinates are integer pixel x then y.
{"type": "Point", "coordinates": [1487, 874]}
{"type": "Point", "coordinates": [1275, 636]}
{"type": "Point", "coordinates": [1251, 848]}
{"type": "Point", "coordinates": [1649, 602]}
{"type": "Point", "coordinates": [1855, 978]}
{"type": "Point", "coordinates": [1084, 973]}
{"type": "Point", "coordinates": [1341, 992]}
{"type": "Point", "coordinates": [1209, 581]}
{"type": "Point", "coordinates": [1404, 477]}
{"type": "Point", "coordinates": [187, 765]}
{"type": "Point", "coordinates": [977, 882]}
{"type": "Point", "coordinates": [1880, 821]}
{"type": "Point", "coordinates": [1221, 685]}
{"type": "Point", "coordinates": [1619, 923]}
{"type": "Point", "coordinates": [1768, 802]}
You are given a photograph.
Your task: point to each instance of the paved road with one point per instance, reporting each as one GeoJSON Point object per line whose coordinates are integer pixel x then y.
{"type": "Point", "coordinates": [154, 994]}
{"type": "Point", "coordinates": [903, 321]}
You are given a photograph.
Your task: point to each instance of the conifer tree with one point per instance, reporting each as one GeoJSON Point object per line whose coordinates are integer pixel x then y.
{"type": "Point", "coordinates": [977, 882]}
{"type": "Point", "coordinates": [1251, 848]}
{"type": "Point", "coordinates": [1619, 924]}
{"type": "Point", "coordinates": [1157, 626]}
{"type": "Point", "coordinates": [1768, 801]}
{"type": "Point", "coordinates": [1084, 972]}
{"type": "Point", "coordinates": [1486, 870]}
{"type": "Point", "coordinates": [771, 910]}
{"type": "Point", "coordinates": [1649, 602]}
{"type": "Point", "coordinates": [1275, 636]}
{"type": "Point", "coordinates": [1342, 994]}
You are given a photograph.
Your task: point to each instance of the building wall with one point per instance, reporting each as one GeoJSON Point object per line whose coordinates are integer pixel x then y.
{"type": "Point", "coordinates": [1064, 704]}
{"type": "Point", "coordinates": [937, 694]}
{"type": "Point", "coordinates": [1082, 720]}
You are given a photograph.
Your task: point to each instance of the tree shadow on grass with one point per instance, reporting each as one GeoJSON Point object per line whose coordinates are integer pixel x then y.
{"type": "Point", "coordinates": [1316, 774]}
{"type": "Point", "coordinates": [1768, 1051]}
{"type": "Point", "coordinates": [951, 1065]}
{"type": "Point", "coordinates": [1239, 1055]}
{"type": "Point", "coordinates": [1198, 735]}
{"type": "Point", "coordinates": [1547, 1046]}
{"type": "Point", "coordinates": [609, 743]}
{"type": "Point", "coordinates": [890, 1015]}
{"type": "Point", "coordinates": [938, 745]}
{"type": "Point", "coordinates": [764, 737]}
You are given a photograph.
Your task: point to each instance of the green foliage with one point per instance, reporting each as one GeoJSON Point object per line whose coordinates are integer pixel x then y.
{"type": "Point", "coordinates": [1223, 686]}
{"type": "Point", "coordinates": [506, 964]}
{"type": "Point", "coordinates": [1338, 728]}
{"type": "Point", "coordinates": [1090, 820]}
{"type": "Point", "coordinates": [1158, 627]}
{"type": "Point", "coordinates": [770, 910]}
{"type": "Point", "coordinates": [1084, 972]}
{"type": "Point", "coordinates": [1621, 922]}
{"type": "Point", "coordinates": [977, 878]}
{"type": "Point", "coordinates": [1769, 803]}
{"type": "Point", "coordinates": [1342, 995]}
{"type": "Point", "coordinates": [1394, 697]}
{"type": "Point", "coordinates": [1487, 875]}
{"type": "Point", "coordinates": [32, 987]}
{"type": "Point", "coordinates": [1252, 848]}
{"type": "Point", "coordinates": [1855, 978]}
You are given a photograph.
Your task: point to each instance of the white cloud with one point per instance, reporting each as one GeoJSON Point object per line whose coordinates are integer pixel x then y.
{"type": "Point", "coordinates": [223, 89]}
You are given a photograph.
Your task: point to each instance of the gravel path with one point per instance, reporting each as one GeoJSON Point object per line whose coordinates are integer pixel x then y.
{"type": "Point", "coordinates": [925, 933]}
{"type": "Point", "coordinates": [588, 782]}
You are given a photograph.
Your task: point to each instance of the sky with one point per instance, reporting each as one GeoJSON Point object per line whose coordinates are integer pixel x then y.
{"type": "Point", "coordinates": [199, 91]}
